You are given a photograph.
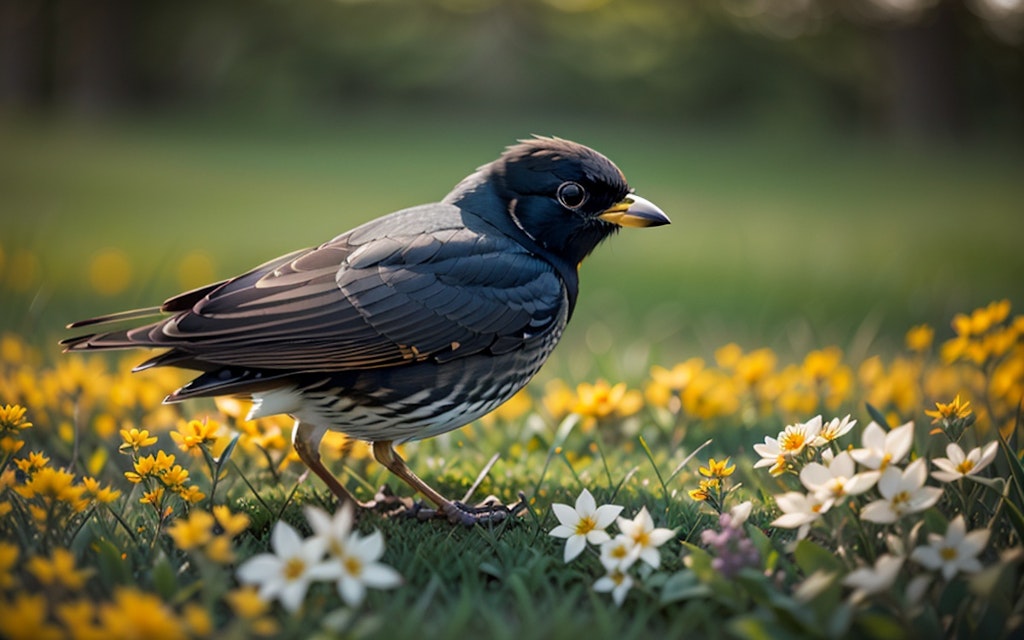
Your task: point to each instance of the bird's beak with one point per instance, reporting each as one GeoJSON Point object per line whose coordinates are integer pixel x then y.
{"type": "Point", "coordinates": [634, 211]}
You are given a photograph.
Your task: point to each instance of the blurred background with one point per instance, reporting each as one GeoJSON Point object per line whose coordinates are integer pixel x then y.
{"type": "Point", "coordinates": [836, 171]}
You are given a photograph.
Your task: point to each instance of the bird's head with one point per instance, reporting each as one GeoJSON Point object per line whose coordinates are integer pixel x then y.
{"type": "Point", "coordinates": [565, 196]}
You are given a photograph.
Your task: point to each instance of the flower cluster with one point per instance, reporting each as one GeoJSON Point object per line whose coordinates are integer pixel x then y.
{"type": "Point", "coordinates": [732, 547]}
{"type": "Point", "coordinates": [334, 553]}
{"type": "Point", "coordinates": [638, 539]}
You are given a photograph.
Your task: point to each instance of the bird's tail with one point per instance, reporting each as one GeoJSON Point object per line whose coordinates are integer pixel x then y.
{"type": "Point", "coordinates": [116, 339]}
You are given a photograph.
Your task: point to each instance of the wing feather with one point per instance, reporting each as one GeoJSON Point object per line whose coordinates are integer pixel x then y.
{"type": "Point", "coordinates": [413, 285]}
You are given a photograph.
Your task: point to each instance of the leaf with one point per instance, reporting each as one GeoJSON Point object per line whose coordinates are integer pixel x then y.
{"type": "Point", "coordinates": [699, 561]}
{"type": "Point", "coordinates": [683, 585]}
{"type": "Point", "coordinates": [1014, 499]}
{"type": "Point", "coordinates": [164, 579]}
{"type": "Point", "coordinates": [811, 557]}
{"type": "Point", "coordinates": [877, 416]}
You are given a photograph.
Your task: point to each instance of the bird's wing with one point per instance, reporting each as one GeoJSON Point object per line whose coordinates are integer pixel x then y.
{"type": "Point", "coordinates": [412, 286]}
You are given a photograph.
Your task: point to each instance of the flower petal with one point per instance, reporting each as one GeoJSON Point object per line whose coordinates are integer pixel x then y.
{"type": "Point", "coordinates": [574, 546]}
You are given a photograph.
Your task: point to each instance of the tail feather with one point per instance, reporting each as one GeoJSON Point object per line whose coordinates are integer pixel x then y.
{"type": "Point", "coordinates": [132, 314]}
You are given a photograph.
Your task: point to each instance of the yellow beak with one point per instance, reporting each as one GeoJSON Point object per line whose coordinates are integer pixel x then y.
{"type": "Point", "coordinates": [634, 211]}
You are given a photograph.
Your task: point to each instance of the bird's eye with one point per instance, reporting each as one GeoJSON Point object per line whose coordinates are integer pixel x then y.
{"type": "Point", "coordinates": [571, 195]}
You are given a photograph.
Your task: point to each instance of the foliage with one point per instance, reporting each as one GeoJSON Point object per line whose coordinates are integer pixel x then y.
{"type": "Point", "coordinates": [126, 518]}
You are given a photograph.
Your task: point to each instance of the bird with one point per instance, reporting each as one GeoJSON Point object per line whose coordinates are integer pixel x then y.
{"type": "Point", "coordinates": [405, 327]}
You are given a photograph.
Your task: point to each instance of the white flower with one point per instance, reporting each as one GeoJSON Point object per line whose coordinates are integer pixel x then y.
{"type": "Point", "coordinates": [646, 538]}
{"type": "Point", "coordinates": [795, 437]}
{"type": "Point", "coordinates": [618, 582]}
{"type": "Point", "coordinates": [838, 479]}
{"type": "Point", "coordinates": [771, 456]}
{"type": "Point", "coordinates": [958, 464]}
{"type": "Point", "coordinates": [352, 558]}
{"type": "Point", "coordinates": [619, 553]}
{"type": "Point", "coordinates": [334, 531]}
{"type": "Point", "coordinates": [741, 512]}
{"type": "Point", "coordinates": [584, 523]}
{"type": "Point", "coordinates": [800, 510]}
{"type": "Point", "coordinates": [902, 492]}
{"type": "Point", "coordinates": [358, 568]}
{"type": "Point", "coordinates": [868, 581]}
{"type": "Point", "coordinates": [954, 552]}
{"type": "Point", "coordinates": [883, 448]}
{"type": "Point", "coordinates": [286, 573]}
{"type": "Point", "coordinates": [834, 430]}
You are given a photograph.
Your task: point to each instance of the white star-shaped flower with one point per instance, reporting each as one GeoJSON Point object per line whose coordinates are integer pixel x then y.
{"type": "Point", "coordinates": [286, 573]}
{"type": "Point", "coordinates": [954, 552]}
{"type": "Point", "coordinates": [838, 479]}
{"type": "Point", "coordinates": [868, 581]}
{"type": "Point", "coordinates": [902, 492]}
{"type": "Point", "coordinates": [882, 448]}
{"type": "Point", "coordinates": [645, 536]}
{"type": "Point", "coordinates": [586, 522]}
{"type": "Point", "coordinates": [958, 464]}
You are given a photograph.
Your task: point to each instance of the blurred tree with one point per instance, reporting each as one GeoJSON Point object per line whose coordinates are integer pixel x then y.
{"type": "Point", "coordinates": [927, 68]}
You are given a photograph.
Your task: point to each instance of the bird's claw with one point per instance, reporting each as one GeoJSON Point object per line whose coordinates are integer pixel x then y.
{"type": "Point", "coordinates": [489, 512]}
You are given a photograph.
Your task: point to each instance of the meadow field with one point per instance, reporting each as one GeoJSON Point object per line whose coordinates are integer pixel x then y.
{"type": "Point", "coordinates": [795, 412]}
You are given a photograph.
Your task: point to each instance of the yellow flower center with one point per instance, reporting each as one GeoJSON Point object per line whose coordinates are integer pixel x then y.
{"type": "Point", "coordinates": [965, 467]}
{"type": "Point", "coordinates": [886, 459]}
{"type": "Point", "coordinates": [585, 525]}
{"type": "Point", "coordinates": [643, 539]}
{"type": "Point", "coordinates": [294, 568]}
{"type": "Point", "coordinates": [947, 553]}
{"type": "Point", "coordinates": [900, 498]}
{"type": "Point", "coordinates": [793, 441]}
{"type": "Point", "coordinates": [619, 551]}
{"type": "Point", "coordinates": [353, 566]}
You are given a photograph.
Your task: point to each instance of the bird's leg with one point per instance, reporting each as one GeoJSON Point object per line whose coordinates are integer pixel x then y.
{"type": "Point", "coordinates": [306, 440]}
{"type": "Point", "coordinates": [456, 512]}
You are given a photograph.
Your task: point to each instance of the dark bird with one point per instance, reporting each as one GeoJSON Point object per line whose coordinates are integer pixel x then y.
{"type": "Point", "coordinates": [408, 326]}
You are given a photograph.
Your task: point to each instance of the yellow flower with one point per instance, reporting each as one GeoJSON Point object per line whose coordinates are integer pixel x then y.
{"type": "Point", "coordinates": [103, 495]}
{"type": "Point", "coordinates": [12, 418]}
{"type": "Point", "coordinates": [246, 603]}
{"type": "Point", "coordinates": [25, 618]}
{"type": "Point", "coordinates": [558, 399]}
{"type": "Point", "coordinates": [35, 461]}
{"type": "Point", "coordinates": [219, 550]}
{"type": "Point", "coordinates": [728, 356]}
{"type": "Point", "coordinates": [195, 433]}
{"type": "Point", "coordinates": [705, 490]}
{"type": "Point", "coordinates": [10, 445]}
{"type": "Point", "coordinates": [154, 497]}
{"type": "Point", "coordinates": [198, 620]}
{"type": "Point", "coordinates": [716, 469]}
{"type": "Point", "coordinates": [135, 614]}
{"type": "Point", "coordinates": [54, 485]}
{"type": "Point", "coordinates": [59, 569]}
{"type": "Point", "coordinates": [79, 618]}
{"type": "Point", "coordinates": [954, 410]}
{"type": "Point", "coordinates": [919, 338]}
{"type": "Point", "coordinates": [190, 494]}
{"type": "Point", "coordinates": [135, 439]}
{"type": "Point", "coordinates": [193, 533]}
{"type": "Point", "coordinates": [232, 523]}
{"type": "Point", "coordinates": [600, 400]}
{"type": "Point", "coordinates": [820, 364]}
{"type": "Point", "coordinates": [666, 384]}
{"type": "Point", "coordinates": [8, 558]}
{"type": "Point", "coordinates": [755, 366]}
{"type": "Point", "coordinates": [175, 477]}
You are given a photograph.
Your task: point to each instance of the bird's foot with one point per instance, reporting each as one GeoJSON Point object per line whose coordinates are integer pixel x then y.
{"type": "Point", "coordinates": [489, 512]}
